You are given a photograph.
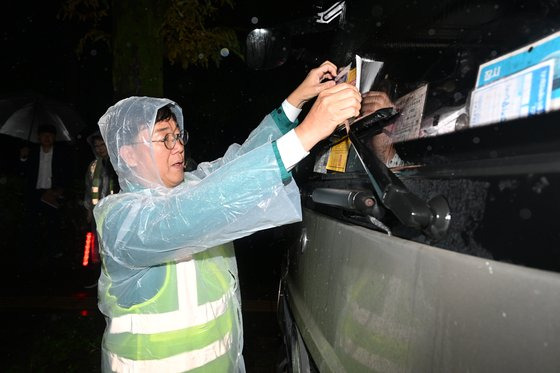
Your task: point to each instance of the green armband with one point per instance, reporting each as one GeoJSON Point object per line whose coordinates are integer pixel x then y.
{"type": "Point", "coordinates": [282, 120]}
{"type": "Point", "coordinates": [284, 174]}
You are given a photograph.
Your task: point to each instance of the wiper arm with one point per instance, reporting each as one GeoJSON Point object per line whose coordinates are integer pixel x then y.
{"type": "Point", "coordinates": [369, 125]}
{"type": "Point", "coordinates": [432, 217]}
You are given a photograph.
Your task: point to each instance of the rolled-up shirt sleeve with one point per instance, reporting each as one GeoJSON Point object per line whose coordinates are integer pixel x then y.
{"type": "Point", "coordinates": [291, 150]}
{"type": "Point", "coordinates": [290, 110]}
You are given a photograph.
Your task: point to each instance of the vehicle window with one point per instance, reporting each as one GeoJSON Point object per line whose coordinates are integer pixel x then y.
{"type": "Point", "coordinates": [499, 176]}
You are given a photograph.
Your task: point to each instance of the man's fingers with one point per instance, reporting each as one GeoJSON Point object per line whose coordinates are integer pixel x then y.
{"type": "Point", "coordinates": [350, 111]}
{"type": "Point", "coordinates": [328, 67]}
{"type": "Point", "coordinates": [325, 85]}
{"type": "Point", "coordinates": [337, 96]}
{"type": "Point", "coordinates": [344, 109]}
{"type": "Point", "coordinates": [376, 94]}
{"type": "Point", "coordinates": [326, 70]}
{"type": "Point", "coordinates": [377, 102]}
{"type": "Point", "coordinates": [377, 97]}
{"type": "Point", "coordinates": [327, 62]}
{"type": "Point", "coordinates": [341, 86]}
{"type": "Point", "coordinates": [346, 101]}
{"type": "Point", "coordinates": [373, 101]}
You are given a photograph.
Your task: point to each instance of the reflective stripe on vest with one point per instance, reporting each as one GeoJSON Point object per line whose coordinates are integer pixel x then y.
{"type": "Point", "coordinates": [95, 181]}
{"type": "Point", "coordinates": [202, 346]}
{"type": "Point", "coordinates": [178, 363]}
{"type": "Point", "coordinates": [95, 173]}
{"type": "Point", "coordinates": [188, 314]}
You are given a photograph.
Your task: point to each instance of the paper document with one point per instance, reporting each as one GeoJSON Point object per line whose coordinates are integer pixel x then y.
{"type": "Point", "coordinates": [367, 72]}
{"type": "Point", "coordinates": [546, 49]}
{"type": "Point", "coordinates": [407, 125]}
{"type": "Point", "coordinates": [361, 73]}
{"type": "Point", "coordinates": [525, 93]}
{"type": "Point", "coordinates": [338, 156]}
{"type": "Point", "coordinates": [347, 74]}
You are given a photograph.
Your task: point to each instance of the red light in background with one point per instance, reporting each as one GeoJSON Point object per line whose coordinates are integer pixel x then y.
{"type": "Point", "coordinates": [87, 247]}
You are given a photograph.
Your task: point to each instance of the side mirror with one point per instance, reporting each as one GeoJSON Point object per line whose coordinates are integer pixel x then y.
{"type": "Point", "coordinates": [267, 48]}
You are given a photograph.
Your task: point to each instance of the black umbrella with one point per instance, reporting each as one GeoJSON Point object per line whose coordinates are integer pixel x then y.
{"type": "Point", "coordinates": [21, 116]}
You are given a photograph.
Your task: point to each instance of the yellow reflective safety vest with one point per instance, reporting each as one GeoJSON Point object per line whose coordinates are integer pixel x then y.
{"type": "Point", "coordinates": [168, 284]}
{"type": "Point", "coordinates": [96, 181]}
{"type": "Point", "coordinates": [190, 330]}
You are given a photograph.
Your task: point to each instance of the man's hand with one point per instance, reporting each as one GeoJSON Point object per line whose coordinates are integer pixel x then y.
{"type": "Point", "coordinates": [381, 143]}
{"type": "Point", "coordinates": [373, 101]}
{"type": "Point", "coordinates": [313, 84]}
{"type": "Point", "coordinates": [333, 106]}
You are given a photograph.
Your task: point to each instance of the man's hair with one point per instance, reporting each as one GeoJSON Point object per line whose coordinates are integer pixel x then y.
{"type": "Point", "coordinates": [46, 128]}
{"type": "Point", "coordinates": [165, 113]}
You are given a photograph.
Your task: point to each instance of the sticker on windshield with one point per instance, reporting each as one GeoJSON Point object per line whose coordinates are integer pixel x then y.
{"type": "Point", "coordinates": [525, 93]}
{"type": "Point", "coordinates": [411, 107]}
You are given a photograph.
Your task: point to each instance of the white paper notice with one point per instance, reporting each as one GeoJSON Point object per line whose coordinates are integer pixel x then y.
{"type": "Point", "coordinates": [407, 125]}
{"type": "Point", "coordinates": [519, 95]}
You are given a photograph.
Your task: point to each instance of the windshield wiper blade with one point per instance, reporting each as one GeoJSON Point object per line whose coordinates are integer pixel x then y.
{"type": "Point", "coordinates": [367, 125]}
{"type": "Point", "coordinates": [432, 217]}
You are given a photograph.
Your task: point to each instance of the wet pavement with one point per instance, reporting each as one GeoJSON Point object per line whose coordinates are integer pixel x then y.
{"type": "Point", "coordinates": [51, 322]}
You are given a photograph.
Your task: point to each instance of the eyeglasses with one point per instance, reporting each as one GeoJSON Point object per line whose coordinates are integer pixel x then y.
{"type": "Point", "coordinates": [171, 139]}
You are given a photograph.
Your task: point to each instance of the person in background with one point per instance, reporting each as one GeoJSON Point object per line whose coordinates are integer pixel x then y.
{"type": "Point", "coordinates": [168, 285]}
{"type": "Point", "coordinates": [47, 171]}
{"type": "Point", "coordinates": [100, 181]}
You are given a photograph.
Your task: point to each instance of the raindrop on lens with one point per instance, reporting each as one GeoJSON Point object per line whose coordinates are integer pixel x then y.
{"type": "Point", "coordinates": [525, 214]}
{"type": "Point", "coordinates": [254, 20]}
{"type": "Point", "coordinates": [476, 140]}
{"type": "Point", "coordinates": [224, 52]}
{"type": "Point", "coordinates": [376, 11]}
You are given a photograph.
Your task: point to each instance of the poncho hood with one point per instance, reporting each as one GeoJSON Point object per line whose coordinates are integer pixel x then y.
{"type": "Point", "coordinates": [129, 124]}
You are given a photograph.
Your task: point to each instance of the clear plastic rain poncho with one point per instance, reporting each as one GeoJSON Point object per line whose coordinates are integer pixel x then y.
{"type": "Point", "coordinates": [168, 286]}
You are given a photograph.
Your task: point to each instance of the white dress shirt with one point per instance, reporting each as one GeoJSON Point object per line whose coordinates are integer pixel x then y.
{"type": "Point", "coordinates": [289, 146]}
{"type": "Point", "coordinates": [44, 178]}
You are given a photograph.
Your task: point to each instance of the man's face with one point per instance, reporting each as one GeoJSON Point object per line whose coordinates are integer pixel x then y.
{"type": "Point", "coordinates": [46, 139]}
{"type": "Point", "coordinates": [100, 148]}
{"type": "Point", "coordinates": [169, 161]}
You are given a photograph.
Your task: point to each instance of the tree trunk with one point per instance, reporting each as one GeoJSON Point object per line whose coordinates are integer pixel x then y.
{"type": "Point", "coordinates": [137, 48]}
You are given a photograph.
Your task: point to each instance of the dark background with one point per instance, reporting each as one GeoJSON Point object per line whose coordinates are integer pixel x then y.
{"type": "Point", "coordinates": [221, 104]}
{"type": "Point", "coordinates": [55, 324]}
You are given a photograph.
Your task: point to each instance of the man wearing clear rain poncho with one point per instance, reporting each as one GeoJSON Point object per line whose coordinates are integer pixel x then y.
{"type": "Point", "coordinates": [168, 286]}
